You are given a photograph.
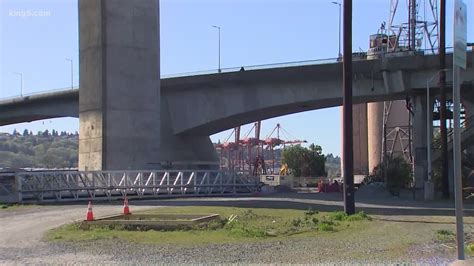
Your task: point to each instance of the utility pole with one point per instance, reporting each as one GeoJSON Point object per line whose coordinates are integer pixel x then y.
{"type": "Point", "coordinates": [442, 99]}
{"type": "Point", "coordinates": [348, 152]}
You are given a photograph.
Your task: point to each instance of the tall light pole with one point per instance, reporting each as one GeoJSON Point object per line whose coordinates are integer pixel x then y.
{"type": "Point", "coordinates": [21, 82]}
{"type": "Point", "coordinates": [429, 132]}
{"type": "Point", "coordinates": [219, 51]}
{"type": "Point", "coordinates": [339, 4]}
{"type": "Point", "coordinates": [72, 73]}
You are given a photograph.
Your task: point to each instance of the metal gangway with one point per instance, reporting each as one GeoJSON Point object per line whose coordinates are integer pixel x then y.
{"type": "Point", "coordinates": [62, 186]}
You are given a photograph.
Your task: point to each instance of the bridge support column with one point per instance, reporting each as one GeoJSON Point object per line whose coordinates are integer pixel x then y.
{"type": "Point", "coordinates": [185, 151]}
{"type": "Point", "coordinates": [119, 99]}
{"type": "Point", "coordinates": [420, 143]}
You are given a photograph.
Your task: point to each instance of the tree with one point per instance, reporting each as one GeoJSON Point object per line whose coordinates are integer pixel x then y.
{"type": "Point", "coordinates": [305, 161]}
{"type": "Point", "coordinates": [293, 156]}
{"type": "Point", "coordinates": [25, 133]}
{"type": "Point", "coordinates": [316, 161]}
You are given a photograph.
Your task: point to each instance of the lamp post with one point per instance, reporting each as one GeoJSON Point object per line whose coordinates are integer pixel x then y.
{"type": "Point", "coordinates": [219, 51]}
{"type": "Point", "coordinates": [21, 82]}
{"type": "Point", "coordinates": [339, 4]}
{"type": "Point", "coordinates": [72, 73]}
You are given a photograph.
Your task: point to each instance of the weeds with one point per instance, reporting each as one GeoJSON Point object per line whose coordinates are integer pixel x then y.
{"type": "Point", "coordinates": [240, 224]}
{"type": "Point", "coordinates": [325, 227]}
{"type": "Point", "coordinates": [445, 236]}
{"type": "Point", "coordinates": [310, 212]}
{"type": "Point", "coordinates": [342, 216]}
{"type": "Point", "coordinates": [470, 247]}
{"type": "Point", "coordinates": [244, 229]}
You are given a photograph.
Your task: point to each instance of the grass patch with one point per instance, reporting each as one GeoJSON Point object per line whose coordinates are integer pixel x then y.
{"type": "Point", "coordinates": [445, 236]}
{"type": "Point", "coordinates": [237, 225]}
{"type": "Point", "coordinates": [470, 247]}
{"type": "Point", "coordinates": [12, 207]}
{"type": "Point", "coordinates": [342, 216]}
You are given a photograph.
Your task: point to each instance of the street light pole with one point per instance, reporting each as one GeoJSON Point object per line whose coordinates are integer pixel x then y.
{"type": "Point", "coordinates": [339, 4]}
{"type": "Point", "coordinates": [219, 51]}
{"type": "Point", "coordinates": [21, 82]}
{"type": "Point", "coordinates": [72, 73]}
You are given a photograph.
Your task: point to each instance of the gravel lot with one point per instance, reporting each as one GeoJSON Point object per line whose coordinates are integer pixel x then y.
{"type": "Point", "coordinates": [21, 231]}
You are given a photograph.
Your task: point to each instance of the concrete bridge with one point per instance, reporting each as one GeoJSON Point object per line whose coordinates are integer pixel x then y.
{"type": "Point", "coordinates": [196, 106]}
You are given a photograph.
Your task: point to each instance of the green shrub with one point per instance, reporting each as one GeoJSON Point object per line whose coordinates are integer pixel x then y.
{"type": "Point", "coordinates": [445, 235]}
{"type": "Point", "coordinates": [338, 216]}
{"type": "Point", "coordinates": [342, 216]}
{"type": "Point", "coordinates": [470, 247]}
{"type": "Point", "coordinates": [243, 229]}
{"type": "Point", "coordinates": [325, 227]}
{"type": "Point", "coordinates": [399, 175]}
{"type": "Point", "coordinates": [296, 222]}
{"type": "Point", "coordinates": [311, 212]}
{"type": "Point", "coordinates": [359, 216]}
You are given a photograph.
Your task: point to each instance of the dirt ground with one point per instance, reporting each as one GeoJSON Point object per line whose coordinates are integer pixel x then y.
{"type": "Point", "coordinates": [412, 223]}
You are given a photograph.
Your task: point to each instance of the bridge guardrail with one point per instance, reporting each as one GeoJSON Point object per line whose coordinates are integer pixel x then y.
{"type": "Point", "coordinates": [8, 188]}
{"type": "Point", "coordinates": [38, 93]}
{"type": "Point", "coordinates": [235, 69]}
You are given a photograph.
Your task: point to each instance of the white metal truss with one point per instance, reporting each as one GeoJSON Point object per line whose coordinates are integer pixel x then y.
{"type": "Point", "coordinates": [396, 141]}
{"type": "Point", "coordinates": [109, 185]}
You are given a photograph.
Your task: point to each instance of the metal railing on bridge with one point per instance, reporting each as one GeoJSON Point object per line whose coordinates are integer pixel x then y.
{"type": "Point", "coordinates": [58, 186]}
{"type": "Point", "coordinates": [237, 69]}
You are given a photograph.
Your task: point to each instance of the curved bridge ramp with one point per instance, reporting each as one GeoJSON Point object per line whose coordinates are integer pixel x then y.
{"type": "Point", "coordinates": [110, 185]}
{"type": "Point", "coordinates": [467, 138]}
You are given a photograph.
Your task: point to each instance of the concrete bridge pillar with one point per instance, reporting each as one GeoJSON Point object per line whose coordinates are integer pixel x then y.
{"type": "Point", "coordinates": [183, 152]}
{"type": "Point", "coordinates": [119, 99]}
{"type": "Point", "coordinates": [375, 132]}
{"type": "Point", "coordinates": [419, 142]}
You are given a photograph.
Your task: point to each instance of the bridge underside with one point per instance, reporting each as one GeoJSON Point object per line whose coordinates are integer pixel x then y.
{"type": "Point", "coordinates": [194, 107]}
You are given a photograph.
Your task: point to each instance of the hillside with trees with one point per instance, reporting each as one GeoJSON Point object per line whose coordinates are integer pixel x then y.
{"type": "Point", "coordinates": [58, 150]}
{"type": "Point", "coordinates": [41, 150]}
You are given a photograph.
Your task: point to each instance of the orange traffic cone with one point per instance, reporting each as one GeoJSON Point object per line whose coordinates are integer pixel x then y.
{"type": "Point", "coordinates": [126, 210]}
{"type": "Point", "coordinates": [89, 215]}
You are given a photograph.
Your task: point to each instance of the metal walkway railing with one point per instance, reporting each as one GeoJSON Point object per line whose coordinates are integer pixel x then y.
{"type": "Point", "coordinates": [60, 186]}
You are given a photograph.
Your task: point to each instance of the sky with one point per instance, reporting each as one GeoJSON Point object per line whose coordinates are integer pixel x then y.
{"type": "Point", "coordinates": [36, 38]}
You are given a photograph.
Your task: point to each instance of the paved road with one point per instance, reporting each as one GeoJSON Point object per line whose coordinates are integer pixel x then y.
{"type": "Point", "coordinates": [25, 226]}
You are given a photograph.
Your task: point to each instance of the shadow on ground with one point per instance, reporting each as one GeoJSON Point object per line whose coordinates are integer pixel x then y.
{"type": "Point", "coordinates": [321, 202]}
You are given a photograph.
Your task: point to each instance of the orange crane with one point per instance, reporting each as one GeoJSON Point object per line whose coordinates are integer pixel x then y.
{"type": "Point", "coordinates": [238, 155]}
{"type": "Point", "coordinates": [272, 142]}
